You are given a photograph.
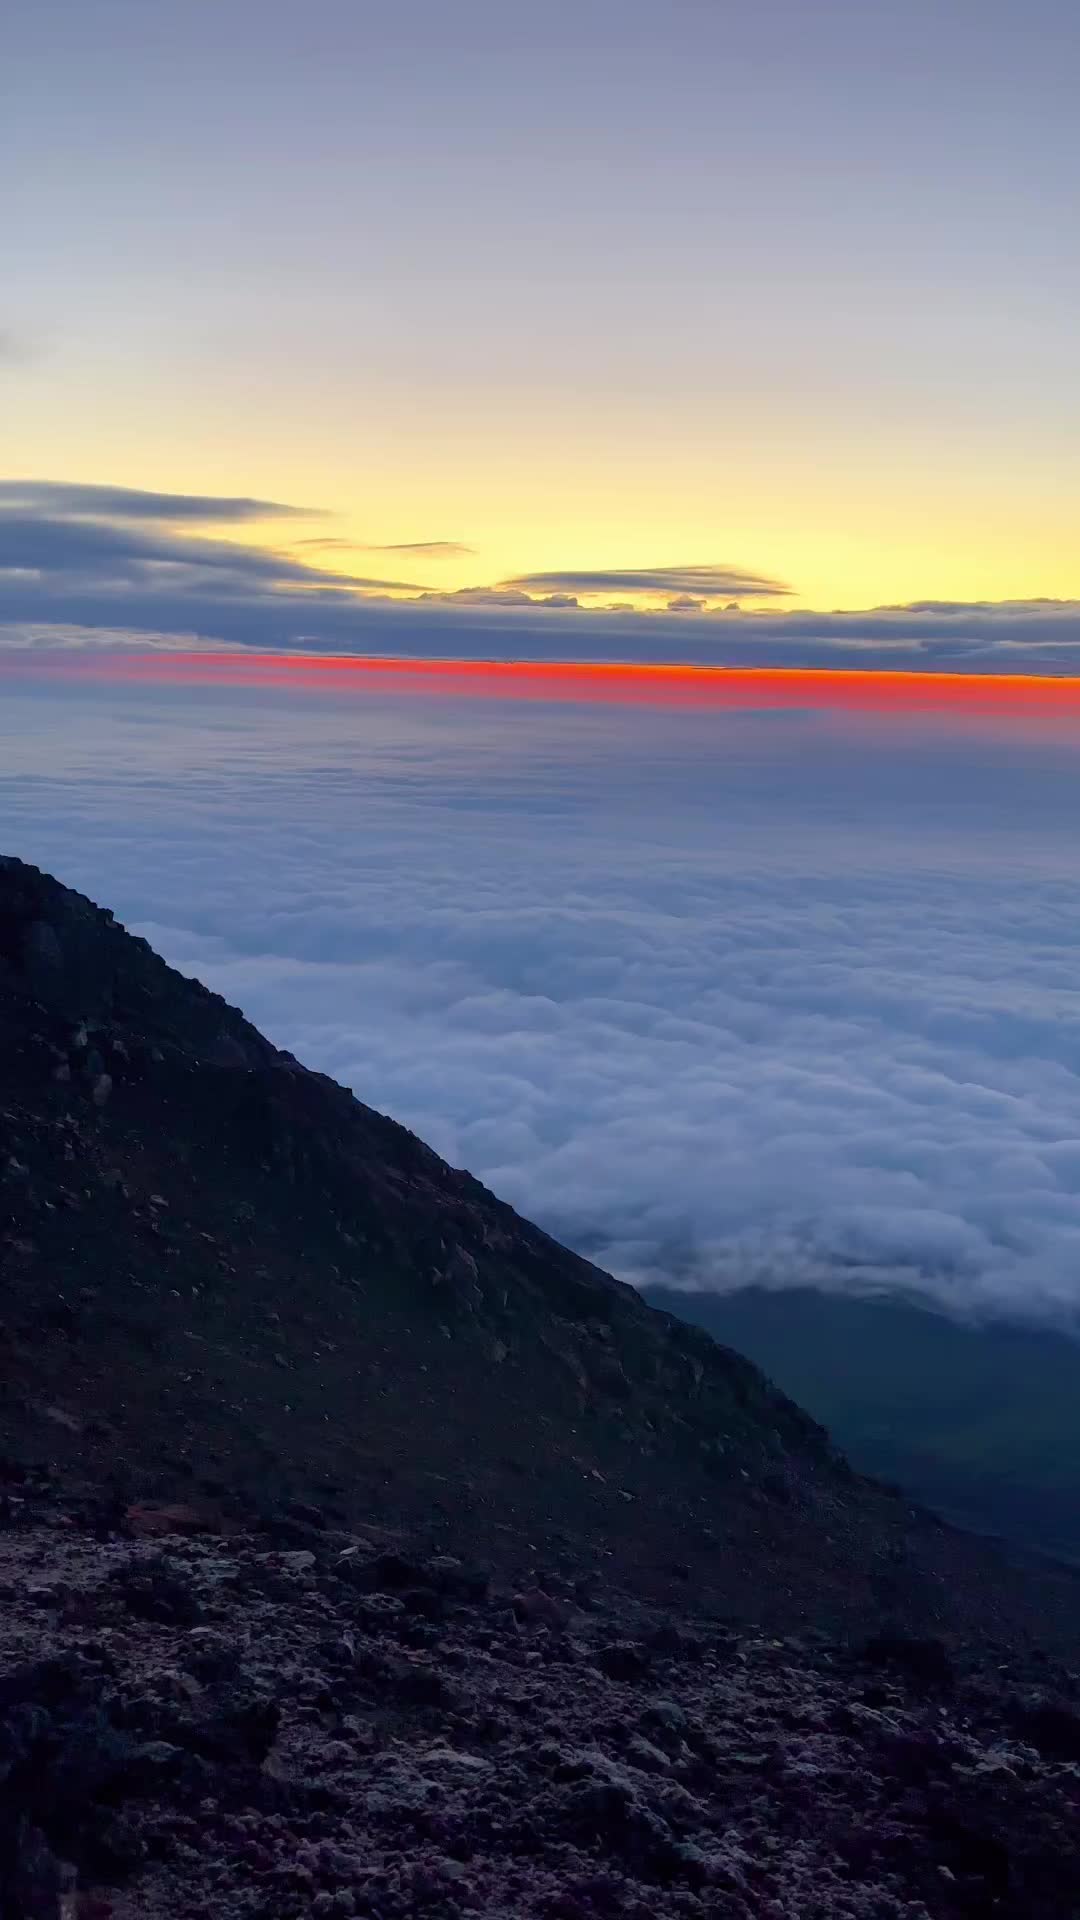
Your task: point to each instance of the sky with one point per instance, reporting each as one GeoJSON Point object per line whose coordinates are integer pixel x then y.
{"type": "Point", "coordinates": [595, 291]}
{"type": "Point", "coordinates": [538, 555]}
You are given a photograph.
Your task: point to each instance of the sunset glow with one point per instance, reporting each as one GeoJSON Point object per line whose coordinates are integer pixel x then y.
{"type": "Point", "coordinates": [658, 684]}
{"type": "Point", "coordinates": [493, 311]}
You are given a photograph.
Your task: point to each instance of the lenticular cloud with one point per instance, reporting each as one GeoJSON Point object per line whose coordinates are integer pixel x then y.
{"type": "Point", "coordinates": [715, 997]}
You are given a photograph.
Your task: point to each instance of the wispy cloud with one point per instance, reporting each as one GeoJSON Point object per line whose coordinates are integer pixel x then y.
{"type": "Point", "coordinates": [70, 540]}
{"type": "Point", "coordinates": [705, 582]}
{"type": "Point", "coordinates": [499, 597]}
{"type": "Point", "coordinates": [428, 549]}
{"type": "Point", "coordinates": [67, 500]}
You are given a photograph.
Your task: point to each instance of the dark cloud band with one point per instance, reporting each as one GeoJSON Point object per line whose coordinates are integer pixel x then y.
{"type": "Point", "coordinates": [59, 538]}
{"type": "Point", "coordinates": [708, 582]}
{"type": "Point", "coordinates": [127, 561]}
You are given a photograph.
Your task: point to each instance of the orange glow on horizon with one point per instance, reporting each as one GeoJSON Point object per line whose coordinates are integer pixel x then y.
{"type": "Point", "coordinates": [653, 683]}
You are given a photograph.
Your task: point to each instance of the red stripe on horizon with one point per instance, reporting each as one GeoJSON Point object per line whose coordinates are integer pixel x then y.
{"type": "Point", "coordinates": [659, 683]}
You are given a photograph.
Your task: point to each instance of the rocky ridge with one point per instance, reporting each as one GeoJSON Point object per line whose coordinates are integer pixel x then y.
{"type": "Point", "coordinates": [363, 1551]}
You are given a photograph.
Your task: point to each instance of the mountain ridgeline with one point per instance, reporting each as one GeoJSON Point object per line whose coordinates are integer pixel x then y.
{"type": "Point", "coordinates": [225, 1280]}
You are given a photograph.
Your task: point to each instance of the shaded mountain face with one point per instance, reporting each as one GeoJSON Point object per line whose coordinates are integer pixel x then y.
{"type": "Point", "coordinates": [225, 1280]}
{"type": "Point", "coordinates": [979, 1420]}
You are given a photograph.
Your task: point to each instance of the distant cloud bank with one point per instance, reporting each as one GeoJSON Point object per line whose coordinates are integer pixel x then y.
{"type": "Point", "coordinates": [716, 996]}
{"type": "Point", "coordinates": [114, 562]}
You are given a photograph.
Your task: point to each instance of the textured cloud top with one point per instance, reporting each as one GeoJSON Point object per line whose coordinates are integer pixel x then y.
{"type": "Point", "coordinates": [781, 994]}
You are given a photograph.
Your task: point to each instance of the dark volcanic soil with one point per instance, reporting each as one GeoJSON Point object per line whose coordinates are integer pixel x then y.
{"type": "Point", "coordinates": [239, 1726]}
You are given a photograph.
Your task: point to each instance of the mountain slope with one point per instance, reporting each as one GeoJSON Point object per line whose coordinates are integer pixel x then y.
{"type": "Point", "coordinates": [225, 1279]}
{"type": "Point", "coordinates": [977, 1419]}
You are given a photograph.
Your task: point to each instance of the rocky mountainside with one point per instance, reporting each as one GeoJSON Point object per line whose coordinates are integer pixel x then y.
{"type": "Point", "coordinates": [233, 1728]}
{"type": "Point", "coordinates": [225, 1282]}
{"type": "Point", "coordinates": [365, 1553]}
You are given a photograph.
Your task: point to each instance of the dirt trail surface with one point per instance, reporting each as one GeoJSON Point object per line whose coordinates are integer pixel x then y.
{"type": "Point", "coordinates": [240, 1727]}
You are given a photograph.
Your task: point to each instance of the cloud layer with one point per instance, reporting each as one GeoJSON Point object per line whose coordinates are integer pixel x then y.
{"type": "Point", "coordinates": [114, 561]}
{"type": "Point", "coordinates": [65, 547]}
{"type": "Point", "coordinates": [715, 997]}
{"type": "Point", "coordinates": [64, 500]}
{"type": "Point", "coordinates": [708, 582]}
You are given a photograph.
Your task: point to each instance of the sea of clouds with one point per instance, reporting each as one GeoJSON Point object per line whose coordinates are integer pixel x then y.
{"type": "Point", "coordinates": [715, 997]}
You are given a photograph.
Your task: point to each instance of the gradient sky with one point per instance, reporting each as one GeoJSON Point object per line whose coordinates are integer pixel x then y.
{"type": "Point", "coordinates": [788, 286]}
